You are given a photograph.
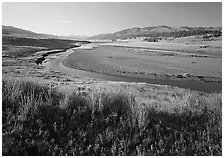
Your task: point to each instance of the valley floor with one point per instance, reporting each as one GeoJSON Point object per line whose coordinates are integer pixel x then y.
{"type": "Point", "coordinates": [118, 61]}
{"type": "Point", "coordinates": [50, 110]}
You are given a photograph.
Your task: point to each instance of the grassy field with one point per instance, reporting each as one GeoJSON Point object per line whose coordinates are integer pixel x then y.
{"type": "Point", "coordinates": [23, 47]}
{"type": "Point", "coordinates": [58, 113]}
{"type": "Point", "coordinates": [38, 119]}
{"type": "Point", "coordinates": [20, 51]}
{"type": "Point", "coordinates": [186, 44]}
{"type": "Point", "coordinates": [49, 43]}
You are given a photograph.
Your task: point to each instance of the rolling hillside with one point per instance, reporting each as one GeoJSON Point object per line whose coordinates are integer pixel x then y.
{"type": "Point", "coordinates": [20, 37]}
{"type": "Point", "coordinates": [157, 31]}
{"type": "Point", "coordinates": [18, 42]}
{"type": "Point", "coordinates": [11, 31]}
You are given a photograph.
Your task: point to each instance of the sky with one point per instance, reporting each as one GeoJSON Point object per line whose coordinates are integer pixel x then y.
{"type": "Point", "coordinates": [76, 18]}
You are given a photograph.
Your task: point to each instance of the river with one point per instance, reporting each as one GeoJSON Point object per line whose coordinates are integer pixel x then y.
{"type": "Point", "coordinates": [57, 65]}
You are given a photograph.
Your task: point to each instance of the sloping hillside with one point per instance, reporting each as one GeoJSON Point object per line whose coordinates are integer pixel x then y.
{"type": "Point", "coordinates": [158, 31]}
{"type": "Point", "coordinates": [11, 31]}
{"type": "Point", "coordinates": [18, 42]}
{"type": "Point", "coordinates": [18, 32]}
{"type": "Point", "coordinates": [20, 37]}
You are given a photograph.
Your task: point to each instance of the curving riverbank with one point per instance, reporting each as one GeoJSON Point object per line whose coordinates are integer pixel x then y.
{"type": "Point", "coordinates": [59, 64]}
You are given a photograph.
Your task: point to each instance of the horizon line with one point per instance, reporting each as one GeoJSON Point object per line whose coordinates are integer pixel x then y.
{"type": "Point", "coordinates": [108, 32]}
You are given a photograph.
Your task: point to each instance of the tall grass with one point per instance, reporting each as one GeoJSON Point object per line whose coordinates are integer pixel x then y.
{"type": "Point", "coordinates": [39, 120]}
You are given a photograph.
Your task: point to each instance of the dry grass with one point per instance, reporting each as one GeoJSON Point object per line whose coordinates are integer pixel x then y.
{"type": "Point", "coordinates": [40, 120]}
{"type": "Point", "coordinates": [20, 51]}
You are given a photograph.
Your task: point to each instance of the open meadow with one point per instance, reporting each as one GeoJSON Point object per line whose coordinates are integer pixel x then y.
{"type": "Point", "coordinates": [50, 110]}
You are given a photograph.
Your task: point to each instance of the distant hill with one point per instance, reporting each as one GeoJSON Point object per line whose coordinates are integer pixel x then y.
{"type": "Point", "coordinates": [73, 37]}
{"type": "Point", "coordinates": [157, 31]}
{"type": "Point", "coordinates": [17, 32]}
{"type": "Point", "coordinates": [11, 31]}
{"type": "Point", "coordinates": [153, 31]}
{"type": "Point", "coordinates": [19, 37]}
